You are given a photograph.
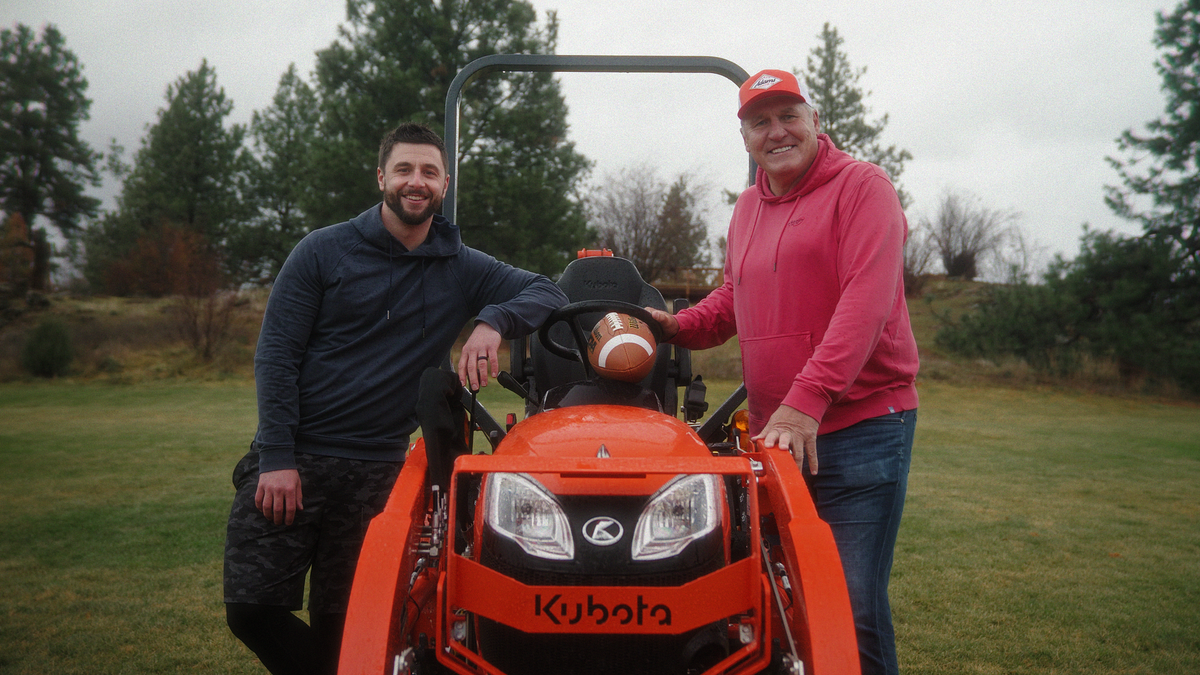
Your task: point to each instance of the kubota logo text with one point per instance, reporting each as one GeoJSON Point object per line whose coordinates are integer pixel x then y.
{"type": "Point", "coordinates": [600, 613]}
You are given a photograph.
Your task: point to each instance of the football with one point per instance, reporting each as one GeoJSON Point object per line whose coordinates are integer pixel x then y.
{"type": "Point", "coordinates": [621, 347]}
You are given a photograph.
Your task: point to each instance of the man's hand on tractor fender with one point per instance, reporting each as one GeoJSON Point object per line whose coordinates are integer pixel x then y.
{"type": "Point", "coordinates": [279, 495]}
{"type": "Point", "coordinates": [480, 354]}
{"type": "Point", "coordinates": [670, 326]}
{"type": "Point", "coordinates": [789, 429]}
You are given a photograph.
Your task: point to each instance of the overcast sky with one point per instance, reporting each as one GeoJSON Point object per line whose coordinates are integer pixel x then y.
{"type": "Point", "coordinates": [1017, 103]}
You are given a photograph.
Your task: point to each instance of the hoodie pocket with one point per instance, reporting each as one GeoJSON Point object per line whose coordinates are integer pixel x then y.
{"type": "Point", "coordinates": [770, 366]}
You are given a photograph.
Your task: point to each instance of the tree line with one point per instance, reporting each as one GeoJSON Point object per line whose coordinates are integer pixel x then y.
{"type": "Point", "coordinates": [240, 196]}
{"type": "Point", "coordinates": [206, 206]}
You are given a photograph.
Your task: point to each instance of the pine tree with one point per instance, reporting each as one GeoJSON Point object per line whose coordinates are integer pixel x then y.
{"type": "Point", "coordinates": [189, 173]}
{"type": "Point", "coordinates": [518, 175]}
{"type": "Point", "coordinates": [683, 230]}
{"type": "Point", "coordinates": [833, 83]}
{"type": "Point", "coordinates": [1170, 181]}
{"type": "Point", "coordinates": [283, 136]}
{"type": "Point", "coordinates": [44, 165]}
{"type": "Point", "coordinates": [190, 166]}
{"type": "Point", "coordinates": [1170, 184]}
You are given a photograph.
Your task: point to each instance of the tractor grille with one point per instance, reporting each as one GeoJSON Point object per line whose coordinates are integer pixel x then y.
{"type": "Point", "coordinates": [533, 577]}
{"type": "Point", "coordinates": [517, 653]}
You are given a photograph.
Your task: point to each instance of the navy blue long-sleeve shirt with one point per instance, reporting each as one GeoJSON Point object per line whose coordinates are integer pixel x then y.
{"type": "Point", "coordinates": [354, 319]}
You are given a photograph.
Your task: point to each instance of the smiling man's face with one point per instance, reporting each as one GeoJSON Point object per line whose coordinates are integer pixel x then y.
{"type": "Point", "coordinates": [780, 134]}
{"type": "Point", "coordinates": [414, 182]}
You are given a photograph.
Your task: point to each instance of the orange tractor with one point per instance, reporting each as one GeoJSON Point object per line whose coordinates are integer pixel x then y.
{"type": "Point", "coordinates": [602, 534]}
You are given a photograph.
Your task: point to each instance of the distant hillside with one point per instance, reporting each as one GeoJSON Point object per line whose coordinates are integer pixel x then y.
{"type": "Point", "coordinates": [132, 339]}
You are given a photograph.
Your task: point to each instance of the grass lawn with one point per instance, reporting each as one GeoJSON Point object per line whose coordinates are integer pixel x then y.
{"type": "Point", "coordinates": [1050, 533]}
{"type": "Point", "coordinates": [1045, 532]}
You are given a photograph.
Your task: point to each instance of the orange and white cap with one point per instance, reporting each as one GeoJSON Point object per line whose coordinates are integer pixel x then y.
{"type": "Point", "coordinates": [768, 84]}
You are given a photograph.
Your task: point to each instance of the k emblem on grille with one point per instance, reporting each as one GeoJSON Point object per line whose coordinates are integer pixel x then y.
{"type": "Point", "coordinates": [603, 531]}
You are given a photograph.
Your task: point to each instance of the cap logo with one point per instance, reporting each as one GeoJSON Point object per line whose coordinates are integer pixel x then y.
{"type": "Point", "coordinates": [765, 82]}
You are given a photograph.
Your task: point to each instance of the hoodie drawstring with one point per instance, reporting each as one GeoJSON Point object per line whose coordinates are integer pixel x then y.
{"type": "Point", "coordinates": [754, 228]}
{"type": "Point", "coordinates": [779, 242]}
{"type": "Point", "coordinates": [391, 290]}
{"type": "Point", "coordinates": [750, 238]}
{"type": "Point", "coordinates": [424, 314]}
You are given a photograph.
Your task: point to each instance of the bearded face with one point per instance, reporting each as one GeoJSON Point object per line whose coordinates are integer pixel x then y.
{"type": "Point", "coordinates": [413, 182]}
{"type": "Point", "coordinates": [413, 205]}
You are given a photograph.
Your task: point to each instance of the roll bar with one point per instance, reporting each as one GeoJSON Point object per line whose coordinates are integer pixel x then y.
{"type": "Point", "coordinates": [529, 63]}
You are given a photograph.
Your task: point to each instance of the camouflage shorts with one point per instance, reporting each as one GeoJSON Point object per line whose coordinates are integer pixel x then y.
{"type": "Point", "coordinates": [265, 563]}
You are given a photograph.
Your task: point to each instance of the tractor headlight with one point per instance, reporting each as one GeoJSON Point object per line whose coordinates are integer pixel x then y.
{"type": "Point", "coordinates": [684, 510]}
{"type": "Point", "coordinates": [518, 507]}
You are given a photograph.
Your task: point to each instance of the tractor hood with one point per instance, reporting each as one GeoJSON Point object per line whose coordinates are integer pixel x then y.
{"type": "Point", "coordinates": [623, 431]}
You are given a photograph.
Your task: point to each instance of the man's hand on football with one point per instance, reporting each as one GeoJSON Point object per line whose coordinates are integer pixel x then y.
{"type": "Point", "coordinates": [670, 326]}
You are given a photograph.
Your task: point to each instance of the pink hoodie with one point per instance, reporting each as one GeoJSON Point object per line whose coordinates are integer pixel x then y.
{"type": "Point", "coordinates": [814, 289]}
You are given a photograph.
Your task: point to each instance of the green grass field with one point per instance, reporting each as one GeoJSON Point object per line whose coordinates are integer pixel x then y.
{"type": "Point", "coordinates": [1045, 532]}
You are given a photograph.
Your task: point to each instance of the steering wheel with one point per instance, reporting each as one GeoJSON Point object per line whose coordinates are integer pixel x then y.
{"type": "Point", "coordinates": [570, 313]}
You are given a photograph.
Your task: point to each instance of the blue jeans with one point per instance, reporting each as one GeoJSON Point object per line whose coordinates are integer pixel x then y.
{"type": "Point", "coordinates": [862, 477]}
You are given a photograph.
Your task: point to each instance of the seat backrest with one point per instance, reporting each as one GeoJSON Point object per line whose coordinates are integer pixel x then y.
{"type": "Point", "coordinates": [596, 278]}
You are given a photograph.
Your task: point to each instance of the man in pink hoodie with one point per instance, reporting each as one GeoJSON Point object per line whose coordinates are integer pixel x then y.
{"type": "Point", "coordinates": [814, 291]}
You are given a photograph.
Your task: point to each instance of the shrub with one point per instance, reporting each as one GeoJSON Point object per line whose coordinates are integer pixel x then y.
{"type": "Point", "coordinates": [1122, 298]}
{"type": "Point", "coordinates": [47, 351]}
{"type": "Point", "coordinates": [1030, 322]}
{"type": "Point", "coordinates": [169, 260]}
{"type": "Point", "coordinates": [205, 321]}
